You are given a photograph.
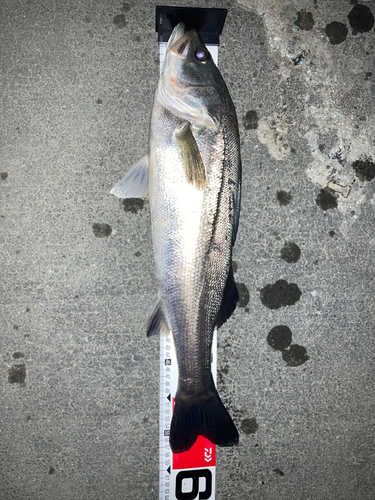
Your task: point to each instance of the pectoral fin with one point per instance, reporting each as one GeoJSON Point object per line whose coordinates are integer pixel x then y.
{"type": "Point", "coordinates": [191, 159]}
{"type": "Point", "coordinates": [135, 183]}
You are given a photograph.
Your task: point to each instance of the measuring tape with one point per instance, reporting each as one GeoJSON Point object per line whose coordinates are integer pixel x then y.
{"type": "Point", "coordinates": [189, 475]}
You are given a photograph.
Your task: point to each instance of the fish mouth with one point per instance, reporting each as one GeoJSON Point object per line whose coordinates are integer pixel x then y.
{"type": "Point", "coordinates": [177, 33]}
{"type": "Point", "coordinates": [180, 46]}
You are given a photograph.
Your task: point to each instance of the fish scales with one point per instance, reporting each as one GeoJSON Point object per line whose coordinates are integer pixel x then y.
{"type": "Point", "coordinates": [190, 238]}
{"type": "Point", "coordinates": [193, 181]}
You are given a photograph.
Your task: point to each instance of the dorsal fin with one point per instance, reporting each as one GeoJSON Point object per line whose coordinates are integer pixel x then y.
{"type": "Point", "coordinates": [230, 299]}
{"type": "Point", "coordinates": [237, 209]}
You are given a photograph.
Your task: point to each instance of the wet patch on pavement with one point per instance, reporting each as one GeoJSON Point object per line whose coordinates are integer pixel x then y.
{"type": "Point", "coordinates": [290, 252]}
{"type": "Point", "coordinates": [101, 230]}
{"type": "Point", "coordinates": [280, 294]}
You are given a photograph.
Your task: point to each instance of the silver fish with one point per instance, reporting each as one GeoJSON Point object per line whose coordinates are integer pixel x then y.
{"type": "Point", "coordinates": [192, 174]}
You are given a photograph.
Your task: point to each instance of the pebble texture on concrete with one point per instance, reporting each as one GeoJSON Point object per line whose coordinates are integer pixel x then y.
{"type": "Point", "coordinates": [78, 378]}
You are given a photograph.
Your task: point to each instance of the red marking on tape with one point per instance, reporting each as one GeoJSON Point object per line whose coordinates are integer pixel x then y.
{"type": "Point", "coordinates": [201, 454]}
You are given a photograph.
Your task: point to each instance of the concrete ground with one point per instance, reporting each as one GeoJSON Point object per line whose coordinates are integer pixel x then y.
{"type": "Point", "coordinates": [78, 378]}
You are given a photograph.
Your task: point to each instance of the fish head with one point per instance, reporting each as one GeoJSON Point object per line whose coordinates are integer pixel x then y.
{"type": "Point", "coordinates": [191, 85]}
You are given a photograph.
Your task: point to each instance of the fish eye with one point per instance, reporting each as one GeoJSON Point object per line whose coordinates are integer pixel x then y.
{"type": "Point", "coordinates": [201, 55]}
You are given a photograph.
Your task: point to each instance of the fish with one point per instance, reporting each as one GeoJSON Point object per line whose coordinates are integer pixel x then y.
{"type": "Point", "coordinates": [192, 174]}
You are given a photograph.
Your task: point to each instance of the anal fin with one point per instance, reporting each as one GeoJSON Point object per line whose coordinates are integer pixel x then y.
{"type": "Point", "coordinates": [157, 323]}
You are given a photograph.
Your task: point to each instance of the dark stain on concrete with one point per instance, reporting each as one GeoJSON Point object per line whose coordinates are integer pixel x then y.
{"type": "Point", "coordinates": [16, 327]}
{"type": "Point", "coordinates": [221, 372]}
{"type": "Point", "coordinates": [225, 370]}
{"type": "Point", "coordinates": [340, 157]}
{"type": "Point", "coordinates": [336, 32]}
{"type": "Point", "coordinates": [119, 21]}
{"type": "Point", "coordinates": [290, 252]}
{"type": "Point", "coordinates": [332, 233]}
{"type": "Point", "coordinates": [249, 426]}
{"type": "Point", "coordinates": [280, 294]}
{"type": "Point", "coordinates": [367, 75]}
{"type": "Point", "coordinates": [234, 266]}
{"type": "Point", "coordinates": [18, 355]}
{"type": "Point", "coordinates": [326, 199]}
{"type": "Point", "coordinates": [305, 20]}
{"type": "Point", "coordinates": [101, 230]}
{"type": "Point", "coordinates": [279, 472]}
{"type": "Point", "coordinates": [361, 19]}
{"type": "Point", "coordinates": [283, 197]}
{"type": "Point", "coordinates": [99, 101]}
{"type": "Point", "coordinates": [243, 292]}
{"type": "Point", "coordinates": [279, 338]}
{"type": "Point", "coordinates": [133, 205]}
{"type": "Point", "coordinates": [298, 60]}
{"type": "Point", "coordinates": [138, 253]}
{"type": "Point", "coordinates": [251, 120]}
{"type": "Point", "coordinates": [295, 355]}
{"type": "Point", "coordinates": [3, 175]}
{"type": "Point", "coordinates": [364, 169]}
{"type": "Point", "coordinates": [17, 374]}
{"type": "Point", "coordinates": [51, 471]}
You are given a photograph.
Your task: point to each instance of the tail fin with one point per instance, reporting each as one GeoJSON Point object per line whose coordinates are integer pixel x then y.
{"type": "Point", "coordinates": [209, 419]}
